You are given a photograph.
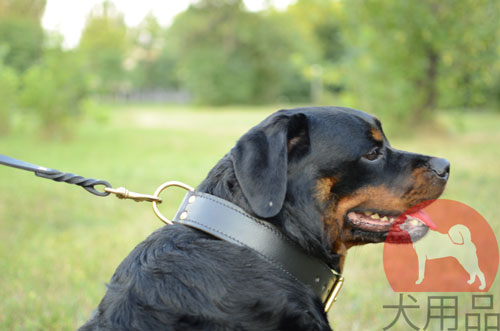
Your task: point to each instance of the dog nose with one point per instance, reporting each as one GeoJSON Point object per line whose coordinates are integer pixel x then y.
{"type": "Point", "coordinates": [440, 167]}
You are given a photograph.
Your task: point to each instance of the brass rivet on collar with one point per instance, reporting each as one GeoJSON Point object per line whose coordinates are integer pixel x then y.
{"type": "Point", "coordinates": [192, 199]}
{"type": "Point", "coordinates": [183, 215]}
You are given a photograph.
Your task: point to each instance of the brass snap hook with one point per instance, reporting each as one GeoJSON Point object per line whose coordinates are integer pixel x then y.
{"type": "Point", "coordinates": [123, 193]}
{"type": "Point", "coordinates": [158, 200]}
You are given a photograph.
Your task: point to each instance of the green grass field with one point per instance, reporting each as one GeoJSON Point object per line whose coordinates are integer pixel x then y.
{"type": "Point", "coordinates": [59, 245]}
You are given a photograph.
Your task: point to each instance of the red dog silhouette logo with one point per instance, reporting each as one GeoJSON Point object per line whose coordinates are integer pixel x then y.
{"type": "Point", "coordinates": [445, 247]}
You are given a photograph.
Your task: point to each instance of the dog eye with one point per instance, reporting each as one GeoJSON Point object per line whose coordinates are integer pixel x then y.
{"type": "Point", "coordinates": [373, 154]}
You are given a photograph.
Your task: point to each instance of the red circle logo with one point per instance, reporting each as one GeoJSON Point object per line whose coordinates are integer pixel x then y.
{"type": "Point", "coordinates": [458, 252]}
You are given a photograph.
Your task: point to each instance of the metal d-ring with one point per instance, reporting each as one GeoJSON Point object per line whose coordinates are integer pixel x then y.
{"type": "Point", "coordinates": [157, 194]}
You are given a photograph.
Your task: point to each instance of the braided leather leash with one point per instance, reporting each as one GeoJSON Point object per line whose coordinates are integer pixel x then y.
{"type": "Point", "coordinates": [88, 184]}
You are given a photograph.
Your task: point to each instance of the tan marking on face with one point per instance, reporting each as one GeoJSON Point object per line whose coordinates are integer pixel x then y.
{"type": "Point", "coordinates": [293, 142]}
{"type": "Point", "coordinates": [331, 224]}
{"type": "Point", "coordinates": [340, 248]}
{"type": "Point", "coordinates": [377, 134]}
{"type": "Point", "coordinates": [424, 186]}
{"type": "Point", "coordinates": [333, 228]}
{"type": "Point", "coordinates": [324, 188]}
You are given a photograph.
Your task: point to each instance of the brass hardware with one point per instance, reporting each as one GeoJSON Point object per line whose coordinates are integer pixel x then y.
{"type": "Point", "coordinates": [184, 215]}
{"type": "Point", "coordinates": [157, 193]}
{"type": "Point", "coordinates": [123, 193]}
{"type": "Point", "coordinates": [332, 297]}
{"type": "Point", "coordinates": [192, 199]}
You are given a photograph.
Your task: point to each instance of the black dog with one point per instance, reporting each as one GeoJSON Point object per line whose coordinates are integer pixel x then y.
{"type": "Point", "coordinates": [333, 182]}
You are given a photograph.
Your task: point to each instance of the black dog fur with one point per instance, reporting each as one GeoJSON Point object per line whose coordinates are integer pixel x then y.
{"type": "Point", "coordinates": [183, 279]}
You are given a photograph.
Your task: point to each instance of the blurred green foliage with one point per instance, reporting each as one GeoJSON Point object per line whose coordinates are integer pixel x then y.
{"type": "Point", "coordinates": [153, 64]}
{"type": "Point", "coordinates": [226, 54]}
{"type": "Point", "coordinates": [404, 58]}
{"type": "Point", "coordinates": [412, 57]}
{"type": "Point", "coordinates": [54, 90]}
{"type": "Point", "coordinates": [104, 45]}
{"type": "Point", "coordinates": [320, 23]}
{"type": "Point", "coordinates": [21, 31]}
{"type": "Point", "coordinates": [9, 83]}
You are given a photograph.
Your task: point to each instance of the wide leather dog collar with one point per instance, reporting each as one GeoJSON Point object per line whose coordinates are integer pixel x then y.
{"type": "Point", "coordinates": [228, 222]}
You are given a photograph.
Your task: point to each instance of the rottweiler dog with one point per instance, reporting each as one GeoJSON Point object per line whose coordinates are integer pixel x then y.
{"type": "Point", "coordinates": [334, 181]}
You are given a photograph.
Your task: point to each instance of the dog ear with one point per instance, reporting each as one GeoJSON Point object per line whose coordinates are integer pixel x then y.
{"type": "Point", "coordinates": [260, 160]}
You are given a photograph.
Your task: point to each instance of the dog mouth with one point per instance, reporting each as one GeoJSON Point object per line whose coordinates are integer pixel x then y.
{"type": "Point", "coordinates": [372, 221]}
{"type": "Point", "coordinates": [383, 221]}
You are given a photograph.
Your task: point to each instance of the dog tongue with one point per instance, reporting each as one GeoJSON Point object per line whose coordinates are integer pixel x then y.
{"type": "Point", "coordinates": [424, 217]}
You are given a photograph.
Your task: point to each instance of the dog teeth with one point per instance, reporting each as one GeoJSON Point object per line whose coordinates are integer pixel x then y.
{"type": "Point", "coordinates": [376, 216]}
{"type": "Point", "coordinates": [414, 221]}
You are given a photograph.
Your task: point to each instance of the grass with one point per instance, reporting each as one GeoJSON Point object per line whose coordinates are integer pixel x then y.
{"type": "Point", "coordinates": [59, 245]}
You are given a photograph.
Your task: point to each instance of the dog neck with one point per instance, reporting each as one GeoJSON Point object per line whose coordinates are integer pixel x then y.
{"type": "Point", "coordinates": [224, 220]}
{"type": "Point", "coordinates": [302, 225]}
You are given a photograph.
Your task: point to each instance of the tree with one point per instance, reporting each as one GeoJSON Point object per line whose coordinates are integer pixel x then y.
{"type": "Point", "coordinates": [54, 90]}
{"type": "Point", "coordinates": [151, 60]}
{"type": "Point", "coordinates": [21, 31]}
{"type": "Point", "coordinates": [104, 44]}
{"type": "Point", "coordinates": [9, 84]}
{"type": "Point", "coordinates": [320, 23]}
{"type": "Point", "coordinates": [226, 54]}
{"type": "Point", "coordinates": [409, 56]}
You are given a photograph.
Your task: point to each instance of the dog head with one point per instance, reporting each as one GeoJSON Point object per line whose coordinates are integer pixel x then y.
{"type": "Point", "coordinates": [329, 174]}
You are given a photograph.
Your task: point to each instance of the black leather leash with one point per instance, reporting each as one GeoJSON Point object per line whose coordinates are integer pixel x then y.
{"type": "Point", "coordinates": [221, 219]}
{"type": "Point", "coordinates": [228, 222]}
{"type": "Point", "coordinates": [88, 184]}
{"type": "Point", "coordinates": [59, 176]}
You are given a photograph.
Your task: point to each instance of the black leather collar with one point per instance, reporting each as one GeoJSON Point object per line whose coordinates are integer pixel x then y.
{"type": "Point", "coordinates": [226, 221]}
